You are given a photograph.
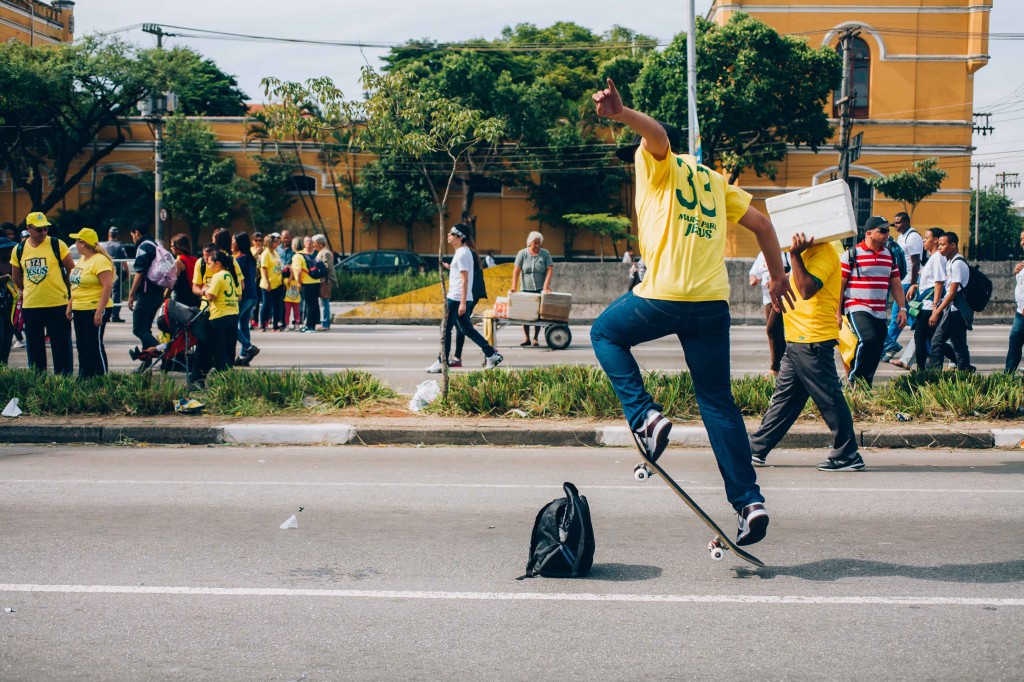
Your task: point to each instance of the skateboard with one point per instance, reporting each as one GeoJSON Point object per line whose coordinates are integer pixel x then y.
{"type": "Point", "coordinates": [721, 542]}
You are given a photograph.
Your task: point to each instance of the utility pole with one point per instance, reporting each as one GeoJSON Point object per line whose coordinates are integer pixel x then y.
{"type": "Point", "coordinates": [155, 107]}
{"type": "Point", "coordinates": [977, 199]}
{"type": "Point", "coordinates": [983, 129]}
{"type": "Point", "coordinates": [1007, 180]}
{"type": "Point", "coordinates": [846, 100]}
{"type": "Point", "coordinates": [693, 132]}
{"type": "Point", "coordinates": [158, 31]}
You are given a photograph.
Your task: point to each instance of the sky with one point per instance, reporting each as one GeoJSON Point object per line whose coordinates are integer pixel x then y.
{"type": "Point", "coordinates": [999, 86]}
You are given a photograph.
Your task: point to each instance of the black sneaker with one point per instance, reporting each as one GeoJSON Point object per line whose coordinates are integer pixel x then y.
{"type": "Point", "coordinates": [759, 460]}
{"type": "Point", "coordinates": [752, 524]}
{"type": "Point", "coordinates": [654, 434]}
{"type": "Point", "coordinates": [852, 463]}
{"type": "Point", "coordinates": [251, 353]}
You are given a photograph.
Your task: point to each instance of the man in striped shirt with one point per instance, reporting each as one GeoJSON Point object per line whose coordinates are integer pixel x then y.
{"type": "Point", "coordinates": [868, 278]}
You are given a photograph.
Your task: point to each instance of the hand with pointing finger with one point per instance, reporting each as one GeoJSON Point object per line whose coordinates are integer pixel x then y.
{"type": "Point", "coordinates": [608, 101]}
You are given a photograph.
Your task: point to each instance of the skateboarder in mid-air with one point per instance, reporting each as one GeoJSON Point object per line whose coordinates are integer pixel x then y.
{"type": "Point", "coordinates": [683, 209]}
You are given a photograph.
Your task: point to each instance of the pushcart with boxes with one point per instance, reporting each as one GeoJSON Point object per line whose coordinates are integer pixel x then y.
{"type": "Point", "coordinates": [549, 310]}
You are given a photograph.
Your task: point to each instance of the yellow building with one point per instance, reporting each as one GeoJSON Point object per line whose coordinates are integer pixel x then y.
{"type": "Point", "coordinates": [913, 72]}
{"type": "Point", "coordinates": [914, 75]}
{"type": "Point", "coordinates": [37, 23]}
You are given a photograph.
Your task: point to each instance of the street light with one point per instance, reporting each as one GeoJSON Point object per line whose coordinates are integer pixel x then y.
{"type": "Point", "coordinates": [154, 108]}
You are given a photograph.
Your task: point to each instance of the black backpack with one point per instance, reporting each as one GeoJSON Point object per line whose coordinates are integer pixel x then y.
{"type": "Point", "coordinates": [317, 268]}
{"type": "Point", "coordinates": [562, 545]}
{"type": "Point", "coordinates": [979, 287]}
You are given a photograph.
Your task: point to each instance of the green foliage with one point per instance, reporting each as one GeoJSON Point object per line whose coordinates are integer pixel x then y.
{"type": "Point", "coordinates": [367, 287]}
{"type": "Point", "coordinates": [199, 186]}
{"type": "Point", "coordinates": [601, 225]}
{"type": "Point", "coordinates": [911, 187]}
{"type": "Point", "coordinates": [267, 196]}
{"type": "Point", "coordinates": [391, 190]}
{"type": "Point", "coordinates": [202, 88]}
{"type": "Point", "coordinates": [999, 225]}
{"type": "Point", "coordinates": [757, 91]}
{"type": "Point", "coordinates": [120, 199]}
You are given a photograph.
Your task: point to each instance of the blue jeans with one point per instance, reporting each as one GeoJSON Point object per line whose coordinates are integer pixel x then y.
{"type": "Point", "coordinates": [1013, 353]}
{"type": "Point", "coordinates": [246, 307]}
{"type": "Point", "coordinates": [893, 334]}
{"type": "Point", "coordinates": [703, 330]}
{"type": "Point", "coordinates": [325, 313]}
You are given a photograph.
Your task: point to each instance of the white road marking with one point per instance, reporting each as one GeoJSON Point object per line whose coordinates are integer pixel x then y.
{"type": "Point", "coordinates": [512, 596]}
{"type": "Point", "coordinates": [514, 486]}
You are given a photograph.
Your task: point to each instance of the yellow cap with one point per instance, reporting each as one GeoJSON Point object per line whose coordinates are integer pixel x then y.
{"type": "Point", "coordinates": [36, 219]}
{"type": "Point", "coordinates": [87, 235]}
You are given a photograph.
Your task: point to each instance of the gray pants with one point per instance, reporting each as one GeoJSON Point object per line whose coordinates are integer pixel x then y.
{"type": "Point", "coordinates": [808, 370]}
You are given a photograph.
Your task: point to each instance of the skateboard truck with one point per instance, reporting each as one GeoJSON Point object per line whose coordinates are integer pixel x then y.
{"type": "Point", "coordinates": [717, 548]}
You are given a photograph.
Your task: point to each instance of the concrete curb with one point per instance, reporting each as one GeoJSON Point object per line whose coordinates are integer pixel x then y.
{"type": "Point", "coordinates": [501, 435]}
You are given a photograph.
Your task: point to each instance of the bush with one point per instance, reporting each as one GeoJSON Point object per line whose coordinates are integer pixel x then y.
{"type": "Point", "coordinates": [366, 287]}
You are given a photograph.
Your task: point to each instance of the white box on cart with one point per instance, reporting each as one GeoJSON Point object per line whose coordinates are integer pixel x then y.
{"type": "Point", "coordinates": [824, 212]}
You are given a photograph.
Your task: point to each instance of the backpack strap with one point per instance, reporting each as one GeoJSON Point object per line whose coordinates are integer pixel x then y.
{"type": "Point", "coordinates": [55, 245]}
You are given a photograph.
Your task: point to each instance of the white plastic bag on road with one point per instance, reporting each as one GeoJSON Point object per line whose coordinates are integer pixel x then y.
{"type": "Point", "coordinates": [292, 522]}
{"type": "Point", "coordinates": [12, 409]}
{"type": "Point", "coordinates": [426, 393]}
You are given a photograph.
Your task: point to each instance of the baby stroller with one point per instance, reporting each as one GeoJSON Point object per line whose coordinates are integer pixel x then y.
{"type": "Point", "coordinates": [187, 327]}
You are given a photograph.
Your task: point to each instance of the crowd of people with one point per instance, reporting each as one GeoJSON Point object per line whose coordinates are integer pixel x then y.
{"type": "Point", "coordinates": [237, 283]}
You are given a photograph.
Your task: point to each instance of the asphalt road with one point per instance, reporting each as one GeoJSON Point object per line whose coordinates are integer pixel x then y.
{"type": "Point", "coordinates": [168, 563]}
{"type": "Point", "coordinates": [400, 353]}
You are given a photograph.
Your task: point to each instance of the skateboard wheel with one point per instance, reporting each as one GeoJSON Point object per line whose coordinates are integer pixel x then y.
{"type": "Point", "coordinates": [717, 553]}
{"type": "Point", "coordinates": [641, 472]}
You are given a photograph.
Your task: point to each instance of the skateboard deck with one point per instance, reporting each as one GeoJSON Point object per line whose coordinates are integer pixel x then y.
{"type": "Point", "coordinates": [721, 541]}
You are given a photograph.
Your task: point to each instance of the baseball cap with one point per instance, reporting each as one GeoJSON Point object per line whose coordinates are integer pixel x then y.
{"type": "Point", "coordinates": [275, 235]}
{"type": "Point", "coordinates": [87, 235]}
{"type": "Point", "coordinates": [113, 230]}
{"type": "Point", "coordinates": [875, 222]}
{"type": "Point", "coordinates": [37, 219]}
{"type": "Point", "coordinates": [25, 233]}
{"type": "Point", "coordinates": [628, 153]}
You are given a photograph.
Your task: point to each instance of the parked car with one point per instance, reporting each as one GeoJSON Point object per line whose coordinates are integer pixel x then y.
{"type": "Point", "coordinates": [382, 262]}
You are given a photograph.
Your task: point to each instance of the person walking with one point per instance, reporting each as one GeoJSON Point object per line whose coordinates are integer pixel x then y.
{"type": "Point", "coordinates": [808, 366]}
{"type": "Point", "coordinates": [774, 326]}
{"type": "Point", "coordinates": [683, 210]}
{"type": "Point", "coordinates": [924, 295]}
{"type": "Point", "coordinates": [310, 285]}
{"type": "Point", "coordinates": [91, 304]}
{"type": "Point", "coordinates": [115, 248]}
{"type": "Point", "coordinates": [8, 296]}
{"type": "Point", "coordinates": [222, 294]}
{"type": "Point", "coordinates": [40, 269]}
{"type": "Point", "coordinates": [272, 285]}
{"type": "Point", "coordinates": [912, 244]}
{"type": "Point", "coordinates": [532, 273]}
{"type": "Point", "coordinates": [870, 274]}
{"type": "Point", "coordinates": [185, 266]}
{"type": "Point", "coordinates": [952, 316]}
{"type": "Point", "coordinates": [145, 297]}
{"type": "Point", "coordinates": [242, 250]}
{"type": "Point", "coordinates": [325, 256]}
{"type": "Point", "coordinates": [1013, 353]}
{"type": "Point", "coordinates": [460, 299]}
{"type": "Point", "coordinates": [257, 249]}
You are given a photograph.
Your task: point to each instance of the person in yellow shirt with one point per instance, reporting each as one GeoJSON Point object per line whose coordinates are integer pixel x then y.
{"type": "Point", "coordinates": [40, 266]}
{"type": "Point", "coordinates": [310, 285]}
{"type": "Point", "coordinates": [683, 212]}
{"type": "Point", "coordinates": [272, 285]}
{"type": "Point", "coordinates": [222, 294]}
{"type": "Point", "coordinates": [202, 274]}
{"type": "Point", "coordinates": [808, 365]}
{"type": "Point", "coordinates": [92, 284]}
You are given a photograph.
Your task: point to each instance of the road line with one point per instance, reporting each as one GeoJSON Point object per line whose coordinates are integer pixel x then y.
{"type": "Point", "coordinates": [511, 596]}
{"type": "Point", "coordinates": [497, 486]}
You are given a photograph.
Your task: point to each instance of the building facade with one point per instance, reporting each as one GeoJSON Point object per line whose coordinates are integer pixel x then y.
{"type": "Point", "coordinates": [37, 23]}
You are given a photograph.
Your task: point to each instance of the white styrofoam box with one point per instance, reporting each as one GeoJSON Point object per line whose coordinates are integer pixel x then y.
{"type": "Point", "coordinates": [824, 212]}
{"type": "Point", "coordinates": [523, 306]}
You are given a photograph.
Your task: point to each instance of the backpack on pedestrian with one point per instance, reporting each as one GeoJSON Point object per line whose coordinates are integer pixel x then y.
{"type": "Point", "coordinates": [55, 245]}
{"type": "Point", "coordinates": [562, 544]}
{"type": "Point", "coordinates": [898, 255]}
{"type": "Point", "coordinates": [161, 271]}
{"type": "Point", "coordinates": [317, 269]}
{"type": "Point", "coordinates": [978, 290]}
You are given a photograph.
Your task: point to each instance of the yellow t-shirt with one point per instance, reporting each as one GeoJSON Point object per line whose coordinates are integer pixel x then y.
{"type": "Point", "coordinates": [272, 262]}
{"type": "Point", "coordinates": [201, 278]}
{"type": "Point", "coordinates": [42, 276]}
{"type": "Point", "coordinates": [683, 209]}
{"type": "Point", "coordinates": [814, 320]}
{"type": "Point", "coordinates": [222, 287]}
{"type": "Point", "coordinates": [85, 282]}
{"type": "Point", "coordinates": [299, 265]}
{"type": "Point", "coordinates": [293, 294]}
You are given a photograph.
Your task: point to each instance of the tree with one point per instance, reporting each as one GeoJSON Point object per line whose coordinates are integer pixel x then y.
{"type": "Point", "coordinates": [199, 186]}
{"type": "Point", "coordinates": [757, 91]}
{"type": "Point", "coordinates": [390, 190]}
{"type": "Point", "coordinates": [911, 187]}
{"type": "Point", "coordinates": [54, 102]}
{"type": "Point", "coordinates": [202, 88]}
{"type": "Point", "coordinates": [267, 196]}
{"type": "Point", "coordinates": [999, 226]}
{"type": "Point", "coordinates": [119, 199]}
{"type": "Point", "coordinates": [602, 225]}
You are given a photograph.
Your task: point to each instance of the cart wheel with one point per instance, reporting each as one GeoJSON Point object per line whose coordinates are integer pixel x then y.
{"type": "Point", "coordinates": [558, 336]}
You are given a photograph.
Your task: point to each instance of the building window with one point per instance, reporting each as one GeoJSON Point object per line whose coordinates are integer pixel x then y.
{"type": "Point", "coordinates": [302, 183]}
{"type": "Point", "coordinates": [860, 58]}
{"type": "Point", "coordinates": [863, 199]}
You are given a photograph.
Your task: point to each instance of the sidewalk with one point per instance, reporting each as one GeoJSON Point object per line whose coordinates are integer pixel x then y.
{"type": "Point", "coordinates": [431, 430]}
